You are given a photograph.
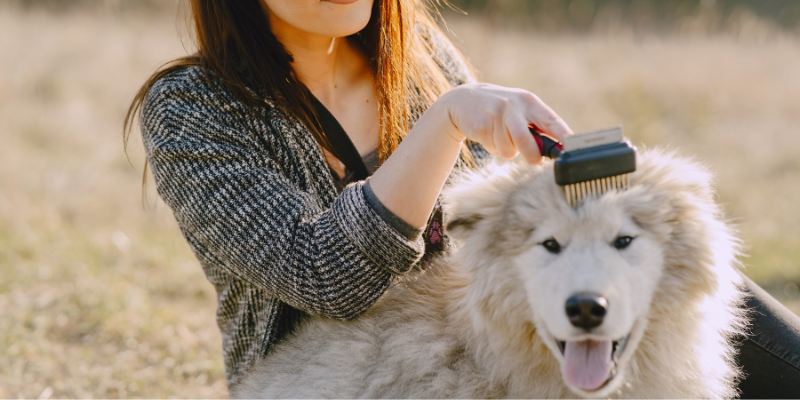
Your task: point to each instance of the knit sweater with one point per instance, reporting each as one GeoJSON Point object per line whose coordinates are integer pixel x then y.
{"type": "Point", "coordinates": [256, 201]}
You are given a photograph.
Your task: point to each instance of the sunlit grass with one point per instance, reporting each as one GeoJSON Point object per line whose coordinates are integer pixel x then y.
{"type": "Point", "coordinates": [101, 297]}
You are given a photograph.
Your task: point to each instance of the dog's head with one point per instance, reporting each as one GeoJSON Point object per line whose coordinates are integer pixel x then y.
{"type": "Point", "coordinates": [588, 279]}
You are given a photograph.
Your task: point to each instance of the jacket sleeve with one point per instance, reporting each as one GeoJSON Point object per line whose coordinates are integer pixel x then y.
{"type": "Point", "coordinates": [239, 212]}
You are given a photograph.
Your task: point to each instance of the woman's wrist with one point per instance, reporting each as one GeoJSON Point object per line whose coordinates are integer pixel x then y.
{"type": "Point", "coordinates": [442, 109]}
{"type": "Point", "coordinates": [409, 181]}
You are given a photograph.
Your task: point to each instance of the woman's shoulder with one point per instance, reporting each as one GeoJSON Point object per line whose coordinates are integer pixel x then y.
{"type": "Point", "coordinates": [192, 87]}
{"type": "Point", "coordinates": [197, 93]}
{"type": "Point", "coordinates": [191, 106]}
{"type": "Point", "coordinates": [188, 76]}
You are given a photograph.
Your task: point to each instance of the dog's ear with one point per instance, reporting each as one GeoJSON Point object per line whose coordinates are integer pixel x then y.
{"type": "Point", "coordinates": [672, 197]}
{"type": "Point", "coordinates": [462, 224]}
{"type": "Point", "coordinates": [479, 195]}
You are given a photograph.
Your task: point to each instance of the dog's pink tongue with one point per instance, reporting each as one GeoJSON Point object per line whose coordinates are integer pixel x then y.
{"type": "Point", "coordinates": [586, 364]}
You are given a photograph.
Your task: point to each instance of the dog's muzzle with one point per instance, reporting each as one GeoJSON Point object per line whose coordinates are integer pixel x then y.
{"type": "Point", "coordinates": [589, 364]}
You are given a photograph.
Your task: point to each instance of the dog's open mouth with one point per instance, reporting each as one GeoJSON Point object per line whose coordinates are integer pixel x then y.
{"type": "Point", "coordinates": [590, 364]}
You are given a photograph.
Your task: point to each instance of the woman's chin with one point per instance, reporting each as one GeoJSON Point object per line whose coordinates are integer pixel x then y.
{"type": "Point", "coordinates": [329, 18]}
{"type": "Point", "coordinates": [341, 1]}
{"type": "Point", "coordinates": [343, 19]}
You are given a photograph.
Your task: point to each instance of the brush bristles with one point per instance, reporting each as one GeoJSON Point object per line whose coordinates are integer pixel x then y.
{"type": "Point", "coordinates": [594, 188]}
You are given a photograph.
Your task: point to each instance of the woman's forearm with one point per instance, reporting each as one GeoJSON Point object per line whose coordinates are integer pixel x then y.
{"type": "Point", "coordinates": [409, 181]}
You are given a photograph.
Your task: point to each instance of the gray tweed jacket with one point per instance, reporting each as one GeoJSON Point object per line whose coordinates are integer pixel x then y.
{"type": "Point", "coordinates": [257, 203]}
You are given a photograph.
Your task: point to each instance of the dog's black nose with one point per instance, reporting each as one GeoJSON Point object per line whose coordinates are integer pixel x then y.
{"type": "Point", "coordinates": [586, 310]}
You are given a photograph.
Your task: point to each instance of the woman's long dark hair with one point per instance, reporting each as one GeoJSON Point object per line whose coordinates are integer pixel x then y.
{"type": "Point", "coordinates": [234, 41]}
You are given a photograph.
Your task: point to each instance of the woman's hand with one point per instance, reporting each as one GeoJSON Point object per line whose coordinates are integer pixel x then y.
{"type": "Point", "coordinates": [409, 181]}
{"type": "Point", "coordinates": [498, 117]}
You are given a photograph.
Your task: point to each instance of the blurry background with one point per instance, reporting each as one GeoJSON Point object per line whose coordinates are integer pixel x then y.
{"type": "Point", "coordinates": [101, 297]}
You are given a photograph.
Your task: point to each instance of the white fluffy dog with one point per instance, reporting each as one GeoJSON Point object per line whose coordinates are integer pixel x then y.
{"type": "Point", "coordinates": [632, 294]}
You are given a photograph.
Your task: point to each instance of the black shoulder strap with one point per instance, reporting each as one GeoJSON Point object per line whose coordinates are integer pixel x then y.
{"type": "Point", "coordinates": [343, 148]}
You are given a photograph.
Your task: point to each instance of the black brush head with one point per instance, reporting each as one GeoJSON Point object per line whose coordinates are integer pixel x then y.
{"type": "Point", "coordinates": [595, 163]}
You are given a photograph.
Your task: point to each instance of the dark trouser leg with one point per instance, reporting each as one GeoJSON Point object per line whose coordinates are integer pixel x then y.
{"type": "Point", "coordinates": [770, 354]}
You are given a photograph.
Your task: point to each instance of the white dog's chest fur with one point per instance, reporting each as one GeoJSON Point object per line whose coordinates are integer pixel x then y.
{"type": "Point", "coordinates": [410, 344]}
{"type": "Point", "coordinates": [486, 321]}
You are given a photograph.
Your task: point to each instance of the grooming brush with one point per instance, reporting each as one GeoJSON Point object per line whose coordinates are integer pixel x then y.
{"type": "Point", "coordinates": [589, 164]}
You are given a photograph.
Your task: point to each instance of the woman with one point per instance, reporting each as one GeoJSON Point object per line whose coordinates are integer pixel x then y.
{"type": "Point", "coordinates": [240, 138]}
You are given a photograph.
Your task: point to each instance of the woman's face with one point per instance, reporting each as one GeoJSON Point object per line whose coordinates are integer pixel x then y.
{"type": "Point", "coordinates": [330, 18]}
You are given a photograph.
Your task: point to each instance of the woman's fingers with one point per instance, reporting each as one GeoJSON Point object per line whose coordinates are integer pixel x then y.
{"type": "Point", "coordinates": [506, 147]}
{"type": "Point", "coordinates": [498, 118]}
{"type": "Point", "coordinates": [528, 108]}
{"type": "Point", "coordinates": [517, 127]}
{"type": "Point", "coordinates": [483, 131]}
{"type": "Point", "coordinates": [544, 117]}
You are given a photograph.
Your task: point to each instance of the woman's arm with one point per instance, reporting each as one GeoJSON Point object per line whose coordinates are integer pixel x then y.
{"type": "Point", "coordinates": [409, 181]}
{"type": "Point", "coordinates": [241, 214]}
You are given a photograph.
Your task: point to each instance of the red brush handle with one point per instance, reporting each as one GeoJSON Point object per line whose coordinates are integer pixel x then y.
{"type": "Point", "coordinates": [548, 147]}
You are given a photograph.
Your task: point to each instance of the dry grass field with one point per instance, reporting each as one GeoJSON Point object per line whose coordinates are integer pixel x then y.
{"type": "Point", "coordinates": [101, 297]}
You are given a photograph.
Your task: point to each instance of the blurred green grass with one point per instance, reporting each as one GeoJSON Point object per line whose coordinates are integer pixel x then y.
{"type": "Point", "coordinates": [101, 297]}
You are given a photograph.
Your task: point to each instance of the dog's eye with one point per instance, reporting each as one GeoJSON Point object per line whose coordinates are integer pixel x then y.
{"type": "Point", "coordinates": [622, 242]}
{"type": "Point", "coordinates": [552, 246]}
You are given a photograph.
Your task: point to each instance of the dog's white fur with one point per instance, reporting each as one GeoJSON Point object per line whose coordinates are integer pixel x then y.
{"type": "Point", "coordinates": [484, 320]}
